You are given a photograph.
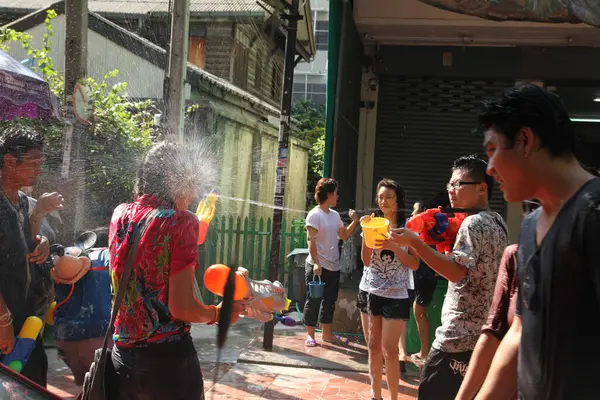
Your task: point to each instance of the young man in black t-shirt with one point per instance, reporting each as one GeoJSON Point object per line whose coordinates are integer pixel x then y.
{"type": "Point", "coordinates": [21, 249]}
{"type": "Point", "coordinates": [550, 351]}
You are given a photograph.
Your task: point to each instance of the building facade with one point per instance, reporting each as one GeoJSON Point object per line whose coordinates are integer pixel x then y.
{"type": "Point", "coordinates": [246, 126]}
{"type": "Point", "coordinates": [411, 77]}
{"type": "Point", "coordinates": [237, 41]}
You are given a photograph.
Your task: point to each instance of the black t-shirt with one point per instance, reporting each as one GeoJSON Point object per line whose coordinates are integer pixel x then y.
{"type": "Point", "coordinates": [559, 302]}
{"type": "Point", "coordinates": [16, 242]}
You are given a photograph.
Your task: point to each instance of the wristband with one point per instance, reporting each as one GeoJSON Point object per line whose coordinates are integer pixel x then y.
{"type": "Point", "coordinates": [216, 317]}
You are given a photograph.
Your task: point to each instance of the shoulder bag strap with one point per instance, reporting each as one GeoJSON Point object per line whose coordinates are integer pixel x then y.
{"type": "Point", "coordinates": [138, 232]}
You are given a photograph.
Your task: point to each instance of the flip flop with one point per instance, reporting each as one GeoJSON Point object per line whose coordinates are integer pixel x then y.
{"type": "Point", "coordinates": [310, 342]}
{"type": "Point", "coordinates": [337, 339]}
{"type": "Point", "coordinates": [418, 361]}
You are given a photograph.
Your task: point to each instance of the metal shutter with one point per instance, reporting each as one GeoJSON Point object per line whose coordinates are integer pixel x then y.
{"type": "Point", "coordinates": [423, 125]}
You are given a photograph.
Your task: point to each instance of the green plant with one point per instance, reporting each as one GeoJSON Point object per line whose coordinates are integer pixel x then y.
{"type": "Point", "coordinates": [44, 63]}
{"type": "Point", "coordinates": [120, 133]}
{"type": "Point", "coordinates": [311, 124]}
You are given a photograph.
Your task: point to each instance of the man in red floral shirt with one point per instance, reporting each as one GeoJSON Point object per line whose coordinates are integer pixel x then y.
{"type": "Point", "coordinates": [154, 355]}
{"type": "Point", "coordinates": [168, 247]}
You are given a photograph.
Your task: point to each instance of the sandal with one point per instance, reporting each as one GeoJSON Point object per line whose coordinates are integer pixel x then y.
{"type": "Point", "coordinates": [310, 342]}
{"type": "Point", "coordinates": [337, 339]}
{"type": "Point", "coordinates": [418, 361]}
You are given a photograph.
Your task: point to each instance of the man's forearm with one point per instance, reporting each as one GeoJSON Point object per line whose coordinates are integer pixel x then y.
{"type": "Point", "coordinates": [482, 357]}
{"type": "Point", "coordinates": [350, 229]}
{"type": "Point", "coordinates": [440, 263]}
{"type": "Point", "coordinates": [501, 380]}
{"type": "Point", "coordinates": [35, 223]}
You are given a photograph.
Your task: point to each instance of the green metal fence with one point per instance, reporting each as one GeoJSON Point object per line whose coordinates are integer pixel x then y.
{"type": "Point", "coordinates": [252, 241]}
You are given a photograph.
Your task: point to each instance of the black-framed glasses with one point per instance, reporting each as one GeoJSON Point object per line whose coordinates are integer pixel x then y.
{"type": "Point", "coordinates": [458, 184]}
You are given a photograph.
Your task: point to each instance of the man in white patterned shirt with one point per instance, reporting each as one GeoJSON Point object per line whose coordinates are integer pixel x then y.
{"type": "Point", "coordinates": [471, 269]}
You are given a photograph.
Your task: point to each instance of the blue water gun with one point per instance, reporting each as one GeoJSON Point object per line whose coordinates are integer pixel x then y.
{"type": "Point", "coordinates": [24, 345]}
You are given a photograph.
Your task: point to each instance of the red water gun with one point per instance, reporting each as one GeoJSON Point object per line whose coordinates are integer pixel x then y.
{"type": "Point", "coordinates": [435, 227]}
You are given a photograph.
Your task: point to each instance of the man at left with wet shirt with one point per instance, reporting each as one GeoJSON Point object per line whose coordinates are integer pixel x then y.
{"type": "Point", "coordinates": [21, 248]}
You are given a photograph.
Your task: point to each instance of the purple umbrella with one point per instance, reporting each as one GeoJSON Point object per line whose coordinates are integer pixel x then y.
{"type": "Point", "coordinates": [23, 93]}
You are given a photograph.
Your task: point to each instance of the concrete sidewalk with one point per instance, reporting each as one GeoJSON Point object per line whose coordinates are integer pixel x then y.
{"type": "Point", "coordinates": [289, 371]}
{"type": "Point", "coordinates": [293, 371]}
{"type": "Point", "coordinates": [61, 381]}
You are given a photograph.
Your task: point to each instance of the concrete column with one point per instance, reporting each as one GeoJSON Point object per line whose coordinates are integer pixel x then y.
{"type": "Point", "coordinates": [366, 141]}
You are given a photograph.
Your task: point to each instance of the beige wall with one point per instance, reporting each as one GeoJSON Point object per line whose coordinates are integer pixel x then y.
{"type": "Point", "coordinates": [144, 80]}
{"type": "Point", "coordinates": [238, 199]}
{"type": "Point", "coordinates": [236, 171]}
{"type": "Point", "coordinates": [295, 197]}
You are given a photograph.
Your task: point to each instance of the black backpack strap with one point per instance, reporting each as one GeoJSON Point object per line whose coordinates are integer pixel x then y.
{"type": "Point", "coordinates": [138, 233]}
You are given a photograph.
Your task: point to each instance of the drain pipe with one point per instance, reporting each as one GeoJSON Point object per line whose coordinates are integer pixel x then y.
{"type": "Point", "coordinates": [336, 14]}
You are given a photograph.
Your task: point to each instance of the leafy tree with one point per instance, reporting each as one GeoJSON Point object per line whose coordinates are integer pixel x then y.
{"type": "Point", "coordinates": [119, 134]}
{"type": "Point", "coordinates": [311, 123]}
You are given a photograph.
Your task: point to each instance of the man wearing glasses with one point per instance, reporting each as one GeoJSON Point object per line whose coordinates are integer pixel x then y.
{"type": "Point", "coordinates": [551, 348]}
{"type": "Point", "coordinates": [471, 269]}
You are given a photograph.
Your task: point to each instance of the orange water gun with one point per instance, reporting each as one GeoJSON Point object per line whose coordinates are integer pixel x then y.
{"type": "Point", "coordinates": [261, 298]}
{"type": "Point", "coordinates": [205, 213]}
{"type": "Point", "coordinates": [435, 227]}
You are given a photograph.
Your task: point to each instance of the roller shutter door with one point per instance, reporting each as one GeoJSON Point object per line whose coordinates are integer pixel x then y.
{"type": "Point", "coordinates": [423, 125]}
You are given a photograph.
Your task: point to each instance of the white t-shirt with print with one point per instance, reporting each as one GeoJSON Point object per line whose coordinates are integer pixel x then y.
{"type": "Point", "coordinates": [479, 246]}
{"type": "Point", "coordinates": [327, 225]}
{"type": "Point", "coordinates": [386, 276]}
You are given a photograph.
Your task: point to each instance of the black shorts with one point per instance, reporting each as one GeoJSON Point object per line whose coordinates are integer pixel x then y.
{"type": "Point", "coordinates": [424, 289]}
{"type": "Point", "coordinates": [443, 374]}
{"type": "Point", "coordinates": [382, 306]}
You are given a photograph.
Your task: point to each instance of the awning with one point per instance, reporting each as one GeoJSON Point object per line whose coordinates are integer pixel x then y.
{"type": "Point", "coordinates": [552, 11]}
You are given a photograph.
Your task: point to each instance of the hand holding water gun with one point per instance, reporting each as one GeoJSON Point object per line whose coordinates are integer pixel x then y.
{"type": "Point", "coordinates": [435, 227]}
{"type": "Point", "coordinates": [261, 299]}
{"type": "Point", "coordinates": [205, 213]}
{"type": "Point", "coordinates": [25, 344]}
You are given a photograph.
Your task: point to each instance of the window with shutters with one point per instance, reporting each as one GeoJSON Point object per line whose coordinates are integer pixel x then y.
{"type": "Point", "coordinates": [240, 65]}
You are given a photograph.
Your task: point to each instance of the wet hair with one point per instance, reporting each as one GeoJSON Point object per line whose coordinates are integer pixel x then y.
{"type": "Point", "coordinates": [163, 174]}
{"type": "Point", "coordinates": [400, 198]}
{"type": "Point", "coordinates": [528, 206]}
{"type": "Point", "coordinates": [324, 188]}
{"type": "Point", "coordinates": [17, 140]}
{"type": "Point", "coordinates": [530, 106]}
{"type": "Point", "coordinates": [476, 168]}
